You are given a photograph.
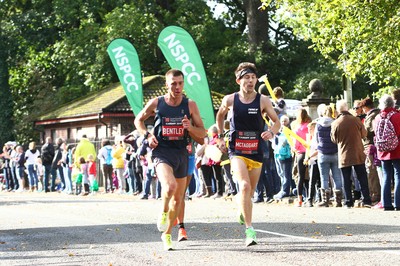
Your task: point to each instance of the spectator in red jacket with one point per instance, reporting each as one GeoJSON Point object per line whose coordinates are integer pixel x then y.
{"type": "Point", "coordinates": [390, 159]}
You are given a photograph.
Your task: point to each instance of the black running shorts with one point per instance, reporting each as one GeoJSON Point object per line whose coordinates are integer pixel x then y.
{"type": "Point", "coordinates": [176, 158]}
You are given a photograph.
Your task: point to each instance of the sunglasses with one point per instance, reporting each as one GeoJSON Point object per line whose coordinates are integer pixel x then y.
{"type": "Point", "coordinates": [356, 108]}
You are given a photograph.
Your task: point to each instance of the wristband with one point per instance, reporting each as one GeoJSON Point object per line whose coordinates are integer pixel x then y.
{"type": "Point", "coordinates": [272, 133]}
{"type": "Point", "coordinates": [220, 136]}
{"type": "Point", "coordinates": [146, 135]}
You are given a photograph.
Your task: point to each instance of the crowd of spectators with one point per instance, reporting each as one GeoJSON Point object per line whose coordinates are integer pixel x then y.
{"type": "Point", "coordinates": [333, 161]}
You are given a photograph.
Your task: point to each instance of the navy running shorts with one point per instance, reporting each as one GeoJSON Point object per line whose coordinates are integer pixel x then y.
{"type": "Point", "coordinates": [177, 159]}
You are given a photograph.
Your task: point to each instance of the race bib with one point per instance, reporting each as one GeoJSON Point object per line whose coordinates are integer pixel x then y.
{"type": "Point", "coordinates": [246, 142]}
{"type": "Point", "coordinates": [172, 128]}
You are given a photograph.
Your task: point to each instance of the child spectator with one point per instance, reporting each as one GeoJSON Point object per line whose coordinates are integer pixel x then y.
{"type": "Point", "coordinates": [92, 172]}
{"type": "Point", "coordinates": [40, 173]}
{"type": "Point", "coordinates": [85, 180]}
{"type": "Point", "coordinates": [279, 103]}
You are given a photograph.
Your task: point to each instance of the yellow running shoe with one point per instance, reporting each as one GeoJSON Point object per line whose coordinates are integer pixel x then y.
{"type": "Point", "coordinates": [162, 222]}
{"type": "Point", "coordinates": [167, 241]}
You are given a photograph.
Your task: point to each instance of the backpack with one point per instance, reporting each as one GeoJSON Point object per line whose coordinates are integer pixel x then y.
{"type": "Point", "coordinates": [109, 156]}
{"type": "Point", "coordinates": [386, 139]}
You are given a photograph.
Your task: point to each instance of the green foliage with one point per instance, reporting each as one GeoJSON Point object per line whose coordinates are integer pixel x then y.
{"type": "Point", "coordinates": [286, 58]}
{"type": "Point", "coordinates": [55, 51]}
{"type": "Point", "coordinates": [6, 103]}
{"type": "Point", "coordinates": [361, 37]}
{"type": "Point", "coordinates": [140, 29]}
{"type": "Point", "coordinates": [382, 91]}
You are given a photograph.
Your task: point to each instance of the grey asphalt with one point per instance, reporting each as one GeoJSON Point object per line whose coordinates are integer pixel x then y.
{"type": "Point", "coordinates": [59, 229]}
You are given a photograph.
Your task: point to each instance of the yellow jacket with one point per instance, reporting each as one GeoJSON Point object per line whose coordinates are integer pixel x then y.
{"type": "Point", "coordinates": [118, 159]}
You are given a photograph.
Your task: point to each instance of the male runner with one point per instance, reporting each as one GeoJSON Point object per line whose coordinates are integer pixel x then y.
{"type": "Point", "coordinates": [245, 138]}
{"type": "Point", "coordinates": [176, 119]}
{"type": "Point", "coordinates": [182, 234]}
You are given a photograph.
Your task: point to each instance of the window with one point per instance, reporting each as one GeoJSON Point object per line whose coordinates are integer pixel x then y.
{"type": "Point", "coordinates": [78, 133]}
{"type": "Point", "coordinates": [98, 132]}
{"type": "Point", "coordinates": [53, 134]}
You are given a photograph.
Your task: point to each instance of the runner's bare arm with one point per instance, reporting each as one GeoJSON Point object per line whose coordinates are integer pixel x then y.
{"type": "Point", "coordinates": [226, 104]}
{"type": "Point", "coordinates": [196, 127]}
{"type": "Point", "coordinates": [145, 113]}
{"type": "Point", "coordinates": [268, 109]}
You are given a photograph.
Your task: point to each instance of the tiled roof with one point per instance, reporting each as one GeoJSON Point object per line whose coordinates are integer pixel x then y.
{"type": "Point", "coordinates": [113, 99]}
{"type": "Point", "coordinates": [216, 99]}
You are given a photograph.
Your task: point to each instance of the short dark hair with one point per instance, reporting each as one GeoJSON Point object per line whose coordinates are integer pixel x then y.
{"type": "Point", "coordinates": [174, 72]}
{"type": "Point", "coordinates": [396, 94]}
{"type": "Point", "coordinates": [366, 102]}
{"type": "Point", "coordinates": [105, 142]}
{"type": "Point", "coordinates": [243, 66]}
{"type": "Point", "coordinates": [82, 160]}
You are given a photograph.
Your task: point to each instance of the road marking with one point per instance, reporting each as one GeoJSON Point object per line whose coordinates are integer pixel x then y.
{"type": "Point", "coordinates": [393, 252]}
{"type": "Point", "coordinates": [285, 235]}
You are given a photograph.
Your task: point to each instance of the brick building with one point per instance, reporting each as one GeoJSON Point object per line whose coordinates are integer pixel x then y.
{"type": "Point", "coordinates": [101, 114]}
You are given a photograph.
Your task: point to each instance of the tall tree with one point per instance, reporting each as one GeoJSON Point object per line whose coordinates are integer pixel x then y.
{"type": "Point", "coordinates": [258, 25]}
{"type": "Point", "coordinates": [361, 37]}
{"type": "Point", "coordinates": [58, 50]}
{"type": "Point", "coordinates": [245, 15]}
{"type": "Point", "coordinates": [6, 100]}
{"type": "Point", "coordinates": [277, 51]}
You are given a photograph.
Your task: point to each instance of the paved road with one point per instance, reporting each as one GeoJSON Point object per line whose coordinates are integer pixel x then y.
{"type": "Point", "coordinates": [58, 229]}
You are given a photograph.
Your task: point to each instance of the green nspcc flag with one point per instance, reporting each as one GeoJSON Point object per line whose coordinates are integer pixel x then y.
{"type": "Point", "coordinates": [181, 53]}
{"type": "Point", "coordinates": [126, 63]}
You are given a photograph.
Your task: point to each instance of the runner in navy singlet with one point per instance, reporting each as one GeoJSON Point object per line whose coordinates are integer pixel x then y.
{"type": "Point", "coordinates": [176, 120]}
{"type": "Point", "coordinates": [246, 133]}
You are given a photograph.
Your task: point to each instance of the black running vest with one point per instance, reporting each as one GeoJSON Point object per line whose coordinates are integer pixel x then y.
{"type": "Point", "coordinates": [168, 126]}
{"type": "Point", "coordinates": [246, 126]}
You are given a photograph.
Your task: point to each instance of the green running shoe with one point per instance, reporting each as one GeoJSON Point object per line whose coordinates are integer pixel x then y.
{"type": "Point", "coordinates": [167, 241]}
{"type": "Point", "coordinates": [162, 222]}
{"type": "Point", "coordinates": [250, 237]}
{"type": "Point", "coordinates": [241, 219]}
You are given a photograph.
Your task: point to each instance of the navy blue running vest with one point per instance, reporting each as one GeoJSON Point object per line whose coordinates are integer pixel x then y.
{"type": "Point", "coordinates": [168, 127]}
{"type": "Point", "coordinates": [246, 126]}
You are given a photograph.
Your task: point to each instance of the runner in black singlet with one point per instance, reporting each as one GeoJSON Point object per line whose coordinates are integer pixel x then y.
{"type": "Point", "coordinates": [246, 133]}
{"type": "Point", "coordinates": [176, 120]}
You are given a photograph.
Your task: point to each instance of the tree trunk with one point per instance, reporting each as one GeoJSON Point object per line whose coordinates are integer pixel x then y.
{"type": "Point", "coordinates": [258, 25]}
{"type": "Point", "coordinates": [166, 4]}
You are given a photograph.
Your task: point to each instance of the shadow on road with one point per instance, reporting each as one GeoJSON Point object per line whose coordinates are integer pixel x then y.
{"type": "Point", "coordinates": [289, 235]}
